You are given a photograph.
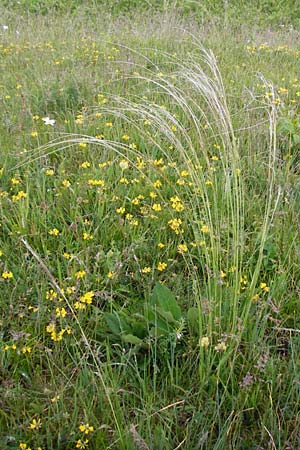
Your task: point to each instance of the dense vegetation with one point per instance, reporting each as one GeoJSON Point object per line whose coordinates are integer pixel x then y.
{"type": "Point", "coordinates": [262, 12]}
{"type": "Point", "coordinates": [149, 229]}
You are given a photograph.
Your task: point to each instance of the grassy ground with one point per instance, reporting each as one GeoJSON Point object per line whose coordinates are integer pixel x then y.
{"type": "Point", "coordinates": [149, 233]}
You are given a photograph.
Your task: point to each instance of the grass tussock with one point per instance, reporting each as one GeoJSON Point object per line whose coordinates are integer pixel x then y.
{"type": "Point", "coordinates": [148, 242]}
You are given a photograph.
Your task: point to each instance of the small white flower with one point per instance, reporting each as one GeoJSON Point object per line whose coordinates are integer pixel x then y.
{"type": "Point", "coordinates": [48, 121]}
{"type": "Point", "coordinates": [5, 27]}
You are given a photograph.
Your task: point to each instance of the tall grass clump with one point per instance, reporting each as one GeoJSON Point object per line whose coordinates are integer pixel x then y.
{"type": "Point", "coordinates": [194, 130]}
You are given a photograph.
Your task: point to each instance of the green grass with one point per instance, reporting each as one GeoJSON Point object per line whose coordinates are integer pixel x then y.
{"type": "Point", "coordinates": [264, 13]}
{"type": "Point", "coordinates": [149, 263]}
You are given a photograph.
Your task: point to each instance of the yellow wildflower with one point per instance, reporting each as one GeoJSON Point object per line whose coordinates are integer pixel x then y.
{"type": "Point", "coordinates": [19, 196]}
{"type": "Point", "coordinates": [35, 424]}
{"type": "Point", "coordinates": [182, 248]}
{"type": "Point", "coordinates": [7, 275]}
{"type": "Point", "coordinates": [204, 342]}
{"type": "Point", "coordinates": [54, 232]}
{"type": "Point", "coordinates": [205, 229]}
{"type": "Point", "coordinates": [80, 274]}
{"type": "Point", "coordinates": [157, 207]}
{"type": "Point", "coordinates": [161, 266]}
{"type": "Point", "coordinates": [87, 297]}
{"type": "Point", "coordinates": [87, 237]}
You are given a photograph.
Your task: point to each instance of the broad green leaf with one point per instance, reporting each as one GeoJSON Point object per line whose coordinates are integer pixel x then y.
{"type": "Point", "coordinates": [131, 339]}
{"type": "Point", "coordinates": [113, 323]}
{"type": "Point", "coordinates": [167, 315]}
{"type": "Point", "coordinates": [296, 139]}
{"type": "Point", "coordinates": [164, 298]}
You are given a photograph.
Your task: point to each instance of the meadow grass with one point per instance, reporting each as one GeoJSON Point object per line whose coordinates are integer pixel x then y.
{"type": "Point", "coordinates": [149, 233]}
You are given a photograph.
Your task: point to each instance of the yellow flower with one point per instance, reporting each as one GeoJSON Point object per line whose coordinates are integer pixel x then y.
{"type": "Point", "coordinates": [19, 196]}
{"type": "Point", "coordinates": [34, 134]}
{"type": "Point", "coordinates": [35, 424]}
{"type": "Point", "coordinates": [54, 232]}
{"type": "Point", "coordinates": [264, 287]}
{"type": "Point", "coordinates": [110, 274]}
{"type": "Point", "coordinates": [49, 172]}
{"type": "Point", "coordinates": [50, 328]}
{"type": "Point", "coordinates": [146, 270]}
{"type": "Point", "coordinates": [15, 181]}
{"type": "Point", "coordinates": [176, 204]}
{"type": "Point", "coordinates": [86, 428]}
{"type": "Point", "coordinates": [161, 266]}
{"type": "Point", "coordinates": [51, 295]}
{"type": "Point", "coordinates": [96, 182]}
{"type": "Point", "coordinates": [205, 229]}
{"type": "Point", "coordinates": [85, 165]}
{"type": "Point", "coordinates": [184, 173]}
{"type": "Point", "coordinates": [87, 297]}
{"type": "Point", "coordinates": [87, 237]}
{"type": "Point", "coordinates": [55, 399]}
{"type": "Point", "coordinates": [135, 201]}
{"type": "Point", "coordinates": [66, 183]}
{"type": "Point", "coordinates": [26, 349]}
{"type": "Point", "coordinates": [81, 444]}
{"type": "Point", "coordinates": [182, 248]}
{"type": "Point", "coordinates": [204, 342]}
{"type": "Point", "coordinates": [157, 183]}
{"type": "Point", "coordinates": [80, 274]}
{"type": "Point", "coordinates": [120, 210]}
{"type": "Point", "coordinates": [60, 312]}
{"type": "Point", "coordinates": [221, 347]}
{"type": "Point", "coordinates": [174, 224]}
{"type": "Point", "coordinates": [7, 275]}
{"type": "Point", "coordinates": [78, 305]}
{"type": "Point", "coordinates": [70, 290]}
{"type": "Point", "coordinates": [160, 245]}
{"type": "Point", "coordinates": [156, 207]}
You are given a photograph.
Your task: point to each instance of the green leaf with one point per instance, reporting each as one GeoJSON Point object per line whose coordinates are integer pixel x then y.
{"type": "Point", "coordinates": [166, 315]}
{"type": "Point", "coordinates": [164, 298]}
{"type": "Point", "coordinates": [155, 319]}
{"type": "Point", "coordinates": [157, 332]}
{"type": "Point", "coordinates": [296, 139]}
{"type": "Point", "coordinates": [131, 339]}
{"type": "Point", "coordinates": [113, 323]}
